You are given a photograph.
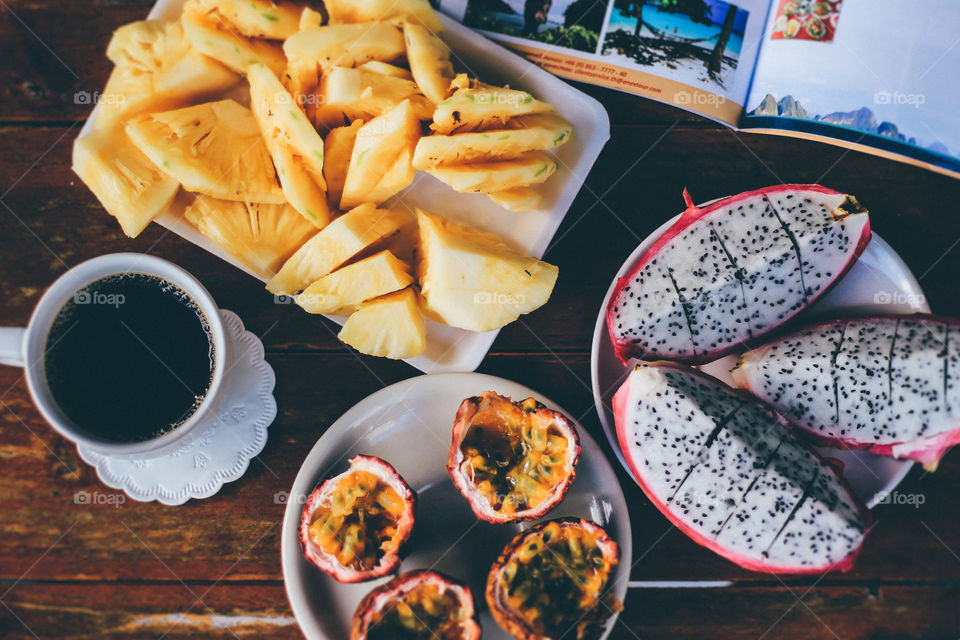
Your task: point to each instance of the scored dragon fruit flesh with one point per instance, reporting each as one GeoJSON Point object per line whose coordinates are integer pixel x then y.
{"type": "Point", "coordinates": [719, 465]}
{"type": "Point", "coordinates": [729, 272]}
{"type": "Point", "coordinates": [890, 385]}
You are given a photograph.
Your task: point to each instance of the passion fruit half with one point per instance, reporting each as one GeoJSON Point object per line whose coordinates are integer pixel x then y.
{"type": "Point", "coordinates": [417, 605]}
{"type": "Point", "coordinates": [355, 525]}
{"type": "Point", "coordinates": [512, 460]}
{"type": "Point", "coordinates": [551, 581]}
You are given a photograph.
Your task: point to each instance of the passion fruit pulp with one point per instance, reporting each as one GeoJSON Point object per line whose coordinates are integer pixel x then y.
{"type": "Point", "coordinates": [551, 581]}
{"type": "Point", "coordinates": [512, 460]}
{"type": "Point", "coordinates": [417, 605]}
{"type": "Point", "coordinates": [355, 525]}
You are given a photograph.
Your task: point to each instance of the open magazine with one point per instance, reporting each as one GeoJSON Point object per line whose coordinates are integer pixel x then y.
{"type": "Point", "coordinates": [873, 75]}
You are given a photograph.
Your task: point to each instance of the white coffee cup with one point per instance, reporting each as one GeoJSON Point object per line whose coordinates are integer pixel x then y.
{"type": "Point", "coordinates": [26, 347]}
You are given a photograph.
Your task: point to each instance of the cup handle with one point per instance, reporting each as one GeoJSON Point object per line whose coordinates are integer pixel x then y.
{"type": "Point", "coordinates": [11, 346]}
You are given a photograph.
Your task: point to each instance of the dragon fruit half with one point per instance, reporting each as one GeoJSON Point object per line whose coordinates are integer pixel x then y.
{"type": "Point", "coordinates": [888, 384]}
{"type": "Point", "coordinates": [734, 270]}
{"type": "Point", "coordinates": [719, 464]}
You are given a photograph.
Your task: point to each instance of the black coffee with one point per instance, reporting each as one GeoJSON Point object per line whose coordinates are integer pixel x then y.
{"type": "Point", "coordinates": [129, 358]}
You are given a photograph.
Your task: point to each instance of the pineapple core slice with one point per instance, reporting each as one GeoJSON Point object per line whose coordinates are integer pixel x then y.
{"type": "Point", "coordinates": [388, 327]}
{"type": "Point", "coordinates": [532, 167]}
{"type": "Point", "coordinates": [343, 290]}
{"type": "Point", "coordinates": [354, 232]}
{"type": "Point", "coordinates": [214, 148]}
{"type": "Point", "coordinates": [261, 236]}
{"type": "Point", "coordinates": [473, 280]}
{"type": "Point", "coordinates": [126, 183]}
{"type": "Point", "coordinates": [296, 147]}
{"type": "Point", "coordinates": [484, 107]}
{"type": "Point", "coordinates": [156, 69]}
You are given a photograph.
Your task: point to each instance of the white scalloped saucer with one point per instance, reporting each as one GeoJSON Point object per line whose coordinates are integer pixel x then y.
{"type": "Point", "coordinates": [234, 432]}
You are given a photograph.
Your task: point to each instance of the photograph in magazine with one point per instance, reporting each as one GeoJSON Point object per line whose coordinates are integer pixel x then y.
{"type": "Point", "coordinates": [879, 74]}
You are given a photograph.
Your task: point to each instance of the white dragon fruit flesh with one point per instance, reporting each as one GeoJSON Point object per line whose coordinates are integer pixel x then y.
{"type": "Point", "coordinates": [719, 465]}
{"type": "Point", "coordinates": [729, 272]}
{"type": "Point", "coordinates": [890, 385]}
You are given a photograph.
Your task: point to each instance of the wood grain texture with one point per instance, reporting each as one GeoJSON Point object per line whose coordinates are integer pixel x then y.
{"type": "Point", "coordinates": [136, 570]}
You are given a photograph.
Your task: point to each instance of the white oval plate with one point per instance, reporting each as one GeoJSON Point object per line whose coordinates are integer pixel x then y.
{"type": "Point", "coordinates": [879, 281]}
{"type": "Point", "coordinates": [409, 424]}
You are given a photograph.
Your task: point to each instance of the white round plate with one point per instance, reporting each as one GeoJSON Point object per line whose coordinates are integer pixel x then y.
{"type": "Point", "coordinates": [409, 424]}
{"type": "Point", "coordinates": [880, 282]}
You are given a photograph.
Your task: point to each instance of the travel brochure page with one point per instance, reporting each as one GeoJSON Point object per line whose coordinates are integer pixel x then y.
{"type": "Point", "coordinates": [696, 54]}
{"type": "Point", "coordinates": [881, 77]}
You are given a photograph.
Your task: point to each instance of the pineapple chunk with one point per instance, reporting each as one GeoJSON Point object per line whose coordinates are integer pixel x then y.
{"type": "Point", "coordinates": [310, 19]}
{"type": "Point", "coordinates": [386, 69]}
{"type": "Point", "coordinates": [527, 133]}
{"type": "Point", "coordinates": [343, 45]}
{"type": "Point", "coordinates": [214, 148]}
{"type": "Point", "coordinates": [213, 34]}
{"type": "Point", "coordinates": [156, 69]}
{"type": "Point", "coordinates": [296, 147]}
{"type": "Point", "coordinates": [126, 183]}
{"type": "Point", "coordinates": [484, 107]}
{"type": "Point", "coordinates": [473, 280]}
{"type": "Point", "coordinates": [259, 18]}
{"type": "Point", "coordinates": [343, 290]}
{"type": "Point", "coordinates": [530, 168]}
{"type": "Point", "coordinates": [356, 93]}
{"type": "Point", "coordinates": [387, 327]}
{"type": "Point", "coordinates": [354, 232]}
{"type": "Point", "coordinates": [418, 11]}
{"type": "Point", "coordinates": [338, 147]}
{"type": "Point", "coordinates": [380, 164]}
{"type": "Point", "coordinates": [429, 60]}
{"type": "Point", "coordinates": [517, 199]}
{"type": "Point", "coordinates": [261, 236]}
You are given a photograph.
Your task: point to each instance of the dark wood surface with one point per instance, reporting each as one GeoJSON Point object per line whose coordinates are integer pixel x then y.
{"type": "Point", "coordinates": [211, 568]}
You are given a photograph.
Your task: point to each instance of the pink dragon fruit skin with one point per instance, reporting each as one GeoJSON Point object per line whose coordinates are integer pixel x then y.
{"type": "Point", "coordinates": [760, 498]}
{"type": "Point", "coordinates": [728, 273]}
{"type": "Point", "coordinates": [886, 384]}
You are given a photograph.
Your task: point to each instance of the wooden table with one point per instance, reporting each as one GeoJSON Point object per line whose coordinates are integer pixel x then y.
{"type": "Point", "coordinates": [212, 568]}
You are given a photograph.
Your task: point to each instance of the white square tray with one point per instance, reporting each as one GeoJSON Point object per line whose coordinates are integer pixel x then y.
{"type": "Point", "coordinates": [450, 349]}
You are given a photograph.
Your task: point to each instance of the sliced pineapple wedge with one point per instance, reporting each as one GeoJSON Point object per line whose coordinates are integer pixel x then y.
{"type": "Point", "coordinates": [156, 69]}
{"type": "Point", "coordinates": [517, 199]}
{"type": "Point", "coordinates": [350, 94]}
{"type": "Point", "coordinates": [429, 60]}
{"type": "Point", "coordinates": [212, 34]}
{"type": "Point", "coordinates": [261, 236]}
{"type": "Point", "coordinates": [388, 327]}
{"type": "Point", "coordinates": [529, 168]}
{"type": "Point", "coordinates": [310, 19]}
{"type": "Point", "coordinates": [343, 290]}
{"type": "Point", "coordinates": [338, 147]}
{"type": "Point", "coordinates": [361, 229]}
{"type": "Point", "coordinates": [124, 180]}
{"type": "Point", "coordinates": [296, 147]}
{"type": "Point", "coordinates": [213, 148]}
{"type": "Point", "coordinates": [526, 133]}
{"type": "Point", "coordinates": [344, 45]}
{"type": "Point", "coordinates": [260, 18]}
{"type": "Point", "coordinates": [418, 11]}
{"type": "Point", "coordinates": [386, 69]}
{"type": "Point", "coordinates": [381, 162]}
{"type": "Point", "coordinates": [484, 107]}
{"type": "Point", "coordinates": [473, 280]}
